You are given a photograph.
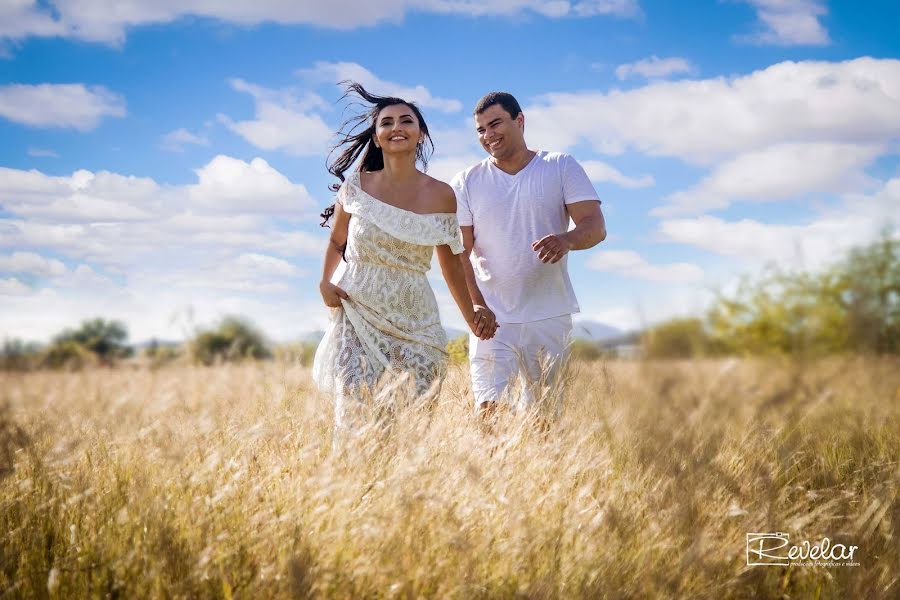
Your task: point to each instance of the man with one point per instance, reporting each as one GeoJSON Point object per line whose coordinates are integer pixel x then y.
{"type": "Point", "coordinates": [514, 209]}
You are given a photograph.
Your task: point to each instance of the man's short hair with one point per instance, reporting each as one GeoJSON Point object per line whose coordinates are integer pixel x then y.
{"type": "Point", "coordinates": [504, 99]}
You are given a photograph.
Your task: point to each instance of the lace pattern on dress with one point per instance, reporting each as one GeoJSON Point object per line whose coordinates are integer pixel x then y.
{"type": "Point", "coordinates": [389, 329]}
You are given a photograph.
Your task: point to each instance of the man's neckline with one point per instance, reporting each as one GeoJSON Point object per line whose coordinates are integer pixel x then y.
{"type": "Point", "coordinates": [520, 171]}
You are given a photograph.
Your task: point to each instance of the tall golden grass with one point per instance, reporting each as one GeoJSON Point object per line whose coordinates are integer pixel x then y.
{"type": "Point", "coordinates": [192, 482]}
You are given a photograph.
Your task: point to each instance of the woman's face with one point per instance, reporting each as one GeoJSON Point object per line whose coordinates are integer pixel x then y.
{"type": "Point", "coordinates": [397, 129]}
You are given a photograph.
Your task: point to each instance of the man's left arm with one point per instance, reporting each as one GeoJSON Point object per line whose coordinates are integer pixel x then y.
{"type": "Point", "coordinates": [590, 230]}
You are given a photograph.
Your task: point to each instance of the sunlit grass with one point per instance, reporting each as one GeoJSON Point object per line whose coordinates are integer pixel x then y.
{"type": "Point", "coordinates": [192, 482]}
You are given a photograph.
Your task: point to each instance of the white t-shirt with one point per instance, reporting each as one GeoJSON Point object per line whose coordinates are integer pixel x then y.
{"type": "Point", "coordinates": [508, 213]}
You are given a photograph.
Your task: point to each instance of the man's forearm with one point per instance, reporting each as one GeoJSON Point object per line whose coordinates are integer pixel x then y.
{"type": "Point", "coordinates": [589, 232]}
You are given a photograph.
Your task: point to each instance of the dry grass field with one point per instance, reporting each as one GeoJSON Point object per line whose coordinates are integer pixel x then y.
{"type": "Point", "coordinates": [192, 482]}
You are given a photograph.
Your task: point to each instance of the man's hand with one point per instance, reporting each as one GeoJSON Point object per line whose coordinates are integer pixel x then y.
{"type": "Point", "coordinates": [332, 294]}
{"type": "Point", "coordinates": [551, 248]}
{"type": "Point", "coordinates": [484, 324]}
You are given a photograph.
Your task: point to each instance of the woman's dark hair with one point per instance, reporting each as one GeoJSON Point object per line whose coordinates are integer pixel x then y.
{"type": "Point", "coordinates": [354, 142]}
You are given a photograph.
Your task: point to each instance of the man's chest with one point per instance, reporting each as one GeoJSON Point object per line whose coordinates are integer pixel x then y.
{"type": "Point", "coordinates": [536, 196]}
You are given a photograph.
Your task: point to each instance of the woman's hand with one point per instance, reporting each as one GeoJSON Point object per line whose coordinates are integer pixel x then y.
{"type": "Point", "coordinates": [332, 294]}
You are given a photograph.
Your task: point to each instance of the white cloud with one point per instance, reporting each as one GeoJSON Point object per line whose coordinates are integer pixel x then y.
{"type": "Point", "coordinates": [174, 141]}
{"type": "Point", "coordinates": [618, 8]}
{"type": "Point", "coordinates": [112, 219]}
{"type": "Point", "coordinates": [549, 8]}
{"type": "Point", "coordinates": [85, 278]}
{"type": "Point", "coordinates": [230, 184]}
{"type": "Point", "coordinates": [20, 18]}
{"type": "Point", "coordinates": [819, 241]}
{"type": "Point", "coordinates": [13, 287]}
{"type": "Point", "coordinates": [194, 223]}
{"type": "Point", "coordinates": [294, 243]}
{"type": "Point", "coordinates": [92, 20]}
{"type": "Point", "coordinates": [627, 263]}
{"type": "Point", "coordinates": [265, 264]}
{"type": "Point", "coordinates": [89, 241]}
{"type": "Point", "coordinates": [704, 121]}
{"type": "Point", "coordinates": [654, 67]}
{"type": "Point", "coordinates": [789, 23]}
{"type": "Point", "coordinates": [600, 172]}
{"type": "Point", "coordinates": [284, 121]}
{"type": "Point", "coordinates": [59, 105]}
{"type": "Point", "coordinates": [42, 153]}
{"type": "Point", "coordinates": [783, 171]}
{"type": "Point", "coordinates": [340, 71]}
{"type": "Point", "coordinates": [249, 272]}
{"type": "Point", "coordinates": [82, 197]}
{"type": "Point", "coordinates": [446, 167]}
{"type": "Point", "coordinates": [230, 243]}
{"type": "Point", "coordinates": [31, 262]}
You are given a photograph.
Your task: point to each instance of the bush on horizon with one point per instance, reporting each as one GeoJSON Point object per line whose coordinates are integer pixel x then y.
{"type": "Point", "coordinates": [852, 305]}
{"type": "Point", "coordinates": [234, 339]}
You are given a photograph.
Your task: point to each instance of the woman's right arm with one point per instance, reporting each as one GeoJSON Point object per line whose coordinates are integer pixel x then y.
{"type": "Point", "coordinates": [337, 242]}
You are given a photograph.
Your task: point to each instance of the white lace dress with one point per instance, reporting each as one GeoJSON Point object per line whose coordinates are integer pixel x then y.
{"type": "Point", "coordinates": [390, 324]}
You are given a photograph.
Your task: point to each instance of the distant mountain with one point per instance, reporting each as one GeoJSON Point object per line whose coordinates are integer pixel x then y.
{"type": "Point", "coordinates": [159, 344]}
{"type": "Point", "coordinates": [312, 337]}
{"type": "Point", "coordinates": [594, 331]}
{"type": "Point", "coordinates": [452, 334]}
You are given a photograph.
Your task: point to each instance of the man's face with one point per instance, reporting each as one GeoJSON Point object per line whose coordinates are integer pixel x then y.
{"type": "Point", "coordinates": [500, 135]}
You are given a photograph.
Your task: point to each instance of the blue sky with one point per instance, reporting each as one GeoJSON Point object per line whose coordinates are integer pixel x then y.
{"type": "Point", "coordinates": [163, 163]}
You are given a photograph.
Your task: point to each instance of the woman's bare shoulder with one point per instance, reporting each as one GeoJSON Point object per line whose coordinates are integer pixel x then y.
{"type": "Point", "coordinates": [439, 196]}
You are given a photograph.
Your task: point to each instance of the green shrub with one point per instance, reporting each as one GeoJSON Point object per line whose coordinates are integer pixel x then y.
{"type": "Point", "coordinates": [68, 354]}
{"type": "Point", "coordinates": [104, 339]}
{"type": "Point", "coordinates": [17, 355]}
{"type": "Point", "coordinates": [300, 352]}
{"type": "Point", "coordinates": [677, 338]}
{"type": "Point", "coordinates": [234, 339]}
{"type": "Point", "coordinates": [852, 306]}
{"type": "Point", "coordinates": [161, 354]}
{"type": "Point", "coordinates": [458, 349]}
{"type": "Point", "coordinates": [580, 349]}
{"type": "Point", "coordinates": [867, 284]}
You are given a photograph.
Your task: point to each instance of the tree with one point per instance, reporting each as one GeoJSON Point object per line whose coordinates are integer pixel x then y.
{"type": "Point", "coordinates": [678, 338]}
{"type": "Point", "coordinates": [17, 355]}
{"type": "Point", "coordinates": [867, 284]}
{"type": "Point", "coordinates": [234, 339]}
{"type": "Point", "coordinates": [851, 306]}
{"type": "Point", "coordinates": [105, 339]}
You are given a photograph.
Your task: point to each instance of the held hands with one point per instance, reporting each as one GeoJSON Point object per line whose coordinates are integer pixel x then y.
{"type": "Point", "coordinates": [551, 248]}
{"type": "Point", "coordinates": [484, 322]}
{"type": "Point", "coordinates": [332, 294]}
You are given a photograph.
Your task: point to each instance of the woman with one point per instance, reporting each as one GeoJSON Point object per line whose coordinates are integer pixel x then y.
{"type": "Point", "coordinates": [387, 219]}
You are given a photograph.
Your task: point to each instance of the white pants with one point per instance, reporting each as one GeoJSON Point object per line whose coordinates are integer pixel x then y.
{"type": "Point", "coordinates": [534, 351]}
